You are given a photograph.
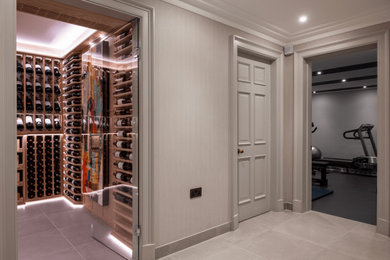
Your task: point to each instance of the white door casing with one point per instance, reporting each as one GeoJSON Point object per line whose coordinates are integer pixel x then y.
{"type": "Point", "coordinates": [254, 121]}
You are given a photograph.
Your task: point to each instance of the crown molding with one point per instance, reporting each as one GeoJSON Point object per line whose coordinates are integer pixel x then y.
{"type": "Point", "coordinates": [214, 13]}
{"type": "Point", "coordinates": [237, 18]}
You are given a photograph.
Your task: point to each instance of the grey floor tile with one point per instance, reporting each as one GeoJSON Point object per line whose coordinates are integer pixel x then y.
{"type": "Point", "coordinates": [68, 254]}
{"type": "Point", "coordinates": [78, 234]}
{"type": "Point", "coordinates": [56, 206]}
{"type": "Point", "coordinates": [30, 211]}
{"type": "Point", "coordinates": [70, 218]}
{"type": "Point", "coordinates": [42, 244]}
{"type": "Point", "coordinates": [33, 225]}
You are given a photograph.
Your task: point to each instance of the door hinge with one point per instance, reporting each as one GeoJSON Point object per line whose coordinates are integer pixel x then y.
{"type": "Point", "coordinates": [138, 231]}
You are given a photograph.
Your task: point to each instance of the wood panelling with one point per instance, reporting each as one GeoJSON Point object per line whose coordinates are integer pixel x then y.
{"type": "Point", "coordinates": [69, 14]}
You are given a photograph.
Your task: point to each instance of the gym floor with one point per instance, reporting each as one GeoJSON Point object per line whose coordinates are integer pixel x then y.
{"type": "Point", "coordinates": [354, 197]}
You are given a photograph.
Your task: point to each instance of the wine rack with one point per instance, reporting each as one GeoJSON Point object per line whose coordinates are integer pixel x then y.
{"type": "Point", "coordinates": [43, 166]}
{"type": "Point", "coordinates": [124, 110]}
{"type": "Point", "coordinates": [71, 85]}
{"type": "Point", "coordinates": [38, 94]}
{"type": "Point", "coordinates": [20, 169]}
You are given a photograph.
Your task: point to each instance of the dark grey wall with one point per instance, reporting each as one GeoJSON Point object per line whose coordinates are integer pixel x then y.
{"type": "Point", "coordinates": [334, 113]}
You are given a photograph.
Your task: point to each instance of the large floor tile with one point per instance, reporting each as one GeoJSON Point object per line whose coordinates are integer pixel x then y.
{"type": "Point", "coordinates": [69, 254]}
{"type": "Point", "coordinates": [70, 218]}
{"type": "Point", "coordinates": [234, 253]}
{"type": "Point", "coordinates": [55, 206]}
{"type": "Point", "coordinates": [42, 244]}
{"type": "Point", "coordinates": [363, 247]}
{"type": "Point", "coordinates": [28, 212]}
{"type": "Point", "coordinates": [329, 254]}
{"type": "Point", "coordinates": [273, 245]}
{"type": "Point", "coordinates": [33, 225]}
{"type": "Point", "coordinates": [245, 232]}
{"type": "Point", "coordinates": [315, 228]}
{"type": "Point", "coordinates": [270, 219]}
{"type": "Point", "coordinates": [78, 234]}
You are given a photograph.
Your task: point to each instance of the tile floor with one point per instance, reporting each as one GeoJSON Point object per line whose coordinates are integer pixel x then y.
{"type": "Point", "coordinates": [57, 231]}
{"type": "Point", "coordinates": [291, 236]}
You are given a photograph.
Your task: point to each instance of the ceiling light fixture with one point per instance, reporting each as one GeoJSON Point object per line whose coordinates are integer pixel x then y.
{"type": "Point", "coordinates": [343, 80]}
{"type": "Point", "coordinates": [364, 86]}
{"type": "Point", "coordinates": [303, 19]}
{"type": "Point", "coordinates": [319, 72]}
{"type": "Point", "coordinates": [314, 92]}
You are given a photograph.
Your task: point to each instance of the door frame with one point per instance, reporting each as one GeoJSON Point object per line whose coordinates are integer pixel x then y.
{"type": "Point", "coordinates": [378, 37]}
{"type": "Point", "coordinates": [8, 209]}
{"type": "Point", "coordinates": [275, 56]}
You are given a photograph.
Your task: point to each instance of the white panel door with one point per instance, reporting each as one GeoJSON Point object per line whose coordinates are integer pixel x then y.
{"type": "Point", "coordinates": [254, 119]}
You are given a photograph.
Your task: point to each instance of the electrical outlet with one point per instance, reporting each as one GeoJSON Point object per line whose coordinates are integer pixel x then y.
{"type": "Point", "coordinates": [196, 192]}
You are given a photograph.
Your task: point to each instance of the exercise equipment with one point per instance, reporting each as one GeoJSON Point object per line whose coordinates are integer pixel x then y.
{"type": "Point", "coordinates": [318, 165]}
{"type": "Point", "coordinates": [367, 161]}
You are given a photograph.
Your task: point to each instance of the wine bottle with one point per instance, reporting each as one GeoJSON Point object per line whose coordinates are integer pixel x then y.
{"type": "Point", "coordinates": [48, 89]}
{"type": "Point", "coordinates": [29, 123]}
{"type": "Point", "coordinates": [57, 106]}
{"type": "Point", "coordinates": [29, 68]}
{"type": "Point", "coordinates": [38, 87]}
{"type": "Point", "coordinates": [71, 131]}
{"type": "Point", "coordinates": [124, 144]}
{"type": "Point", "coordinates": [122, 112]}
{"type": "Point", "coordinates": [38, 69]}
{"type": "Point", "coordinates": [38, 105]}
{"type": "Point", "coordinates": [19, 124]}
{"type": "Point", "coordinates": [29, 104]}
{"type": "Point", "coordinates": [124, 133]}
{"type": "Point", "coordinates": [19, 105]}
{"type": "Point", "coordinates": [123, 122]}
{"type": "Point", "coordinates": [73, 124]}
{"type": "Point", "coordinates": [57, 72]}
{"type": "Point", "coordinates": [48, 124]}
{"type": "Point", "coordinates": [122, 198]}
{"type": "Point", "coordinates": [123, 177]}
{"type": "Point", "coordinates": [19, 86]}
{"type": "Point", "coordinates": [73, 117]}
{"type": "Point", "coordinates": [29, 87]}
{"type": "Point", "coordinates": [57, 124]}
{"type": "Point", "coordinates": [123, 90]}
{"type": "Point", "coordinates": [19, 67]}
{"type": "Point", "coordinates": [38, 123]}
{"type": "Point", "coordinates": [124, 101]}
{"type": "Point", "coordinates": [123, 155]}
{"type": "Point", "coordinates": [48, 106]}
{"type": "Point", "coordinates": [31, 195]}
{"type": "Point", "coordinates": [124, 166]}
{"type": "Point", "coordinates": [57, 89]}
{"type": "Point", "coordinates": [48, 71]}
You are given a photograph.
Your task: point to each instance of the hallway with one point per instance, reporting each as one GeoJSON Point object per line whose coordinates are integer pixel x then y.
{"type": "Point", "coordinates": [287, 236]}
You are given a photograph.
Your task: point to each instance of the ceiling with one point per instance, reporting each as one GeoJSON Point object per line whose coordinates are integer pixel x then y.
{"type": "Point", "coordinates": [36, 34]}
{"type": "Point", "coordinates": [357, 68]}
{"type": "Point", "coordinates": [279, 18]}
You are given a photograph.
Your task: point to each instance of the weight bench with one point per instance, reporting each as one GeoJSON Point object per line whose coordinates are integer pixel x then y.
{"type": "Point", "coordinates": [321, 167]}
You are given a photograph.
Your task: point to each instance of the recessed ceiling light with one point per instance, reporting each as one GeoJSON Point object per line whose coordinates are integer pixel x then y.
{"type": "Point", "coordinates": [319, 72]}
{"type": "Point", "coordinates": [343, 80]}
{"type": "Point", "coordinates": [314, 92]}
{"type": "Point", "coordinates": [303, 19]}
{"type": "Point", "coordinates": [364, 86]}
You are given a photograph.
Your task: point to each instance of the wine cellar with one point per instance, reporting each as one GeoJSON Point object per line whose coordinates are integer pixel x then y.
{"type": "Point", "coordinates": [77, 126]}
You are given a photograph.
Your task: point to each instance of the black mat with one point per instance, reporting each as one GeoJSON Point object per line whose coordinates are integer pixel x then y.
{"type": "Point", "coordinates": [354, 197]}
{"type": "Point", "coordinates": [319, 192]}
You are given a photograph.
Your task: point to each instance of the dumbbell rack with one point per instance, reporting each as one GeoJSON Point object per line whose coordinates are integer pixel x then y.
{"type": "Point", "coordinates": [42, 151]}
{"type": "Point", "coordinates": [72, 148]}
{"type": "Point", "coordinates": [123, 86]}
{"type": "Point", "coordinates": [52, 97]}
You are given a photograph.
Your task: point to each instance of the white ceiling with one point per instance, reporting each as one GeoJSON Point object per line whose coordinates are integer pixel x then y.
{"type": "Point", "coordinates": [48, 37]}
{"type": "Point", "coordinates": [279, 18]}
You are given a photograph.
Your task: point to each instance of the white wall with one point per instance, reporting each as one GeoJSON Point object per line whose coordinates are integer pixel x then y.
{"type": "Point", "coordinates": [336, 112]}
{"type": "Point", "coordinates": [191, 121]}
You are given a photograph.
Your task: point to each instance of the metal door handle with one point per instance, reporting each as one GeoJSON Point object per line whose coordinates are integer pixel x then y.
{"type": "Point", "coordinates": [240, 151]}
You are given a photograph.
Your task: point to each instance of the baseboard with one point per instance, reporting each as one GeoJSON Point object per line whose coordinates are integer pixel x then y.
{"type": "Point", "coordinates": [148, 252]}
{"type": "Point", "coordinates": [383, 226]}
{"type": "Point", "coordinates": [181, 244]}
{"type": "Point", "coordinates": [297, 206]}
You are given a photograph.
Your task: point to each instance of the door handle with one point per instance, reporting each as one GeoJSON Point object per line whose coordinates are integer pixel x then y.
{"type": "Point", "coordinates": [240, 151]}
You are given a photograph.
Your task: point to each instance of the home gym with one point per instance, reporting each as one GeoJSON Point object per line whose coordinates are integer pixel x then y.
{"type": "Point", "coordinates": [344, 150]}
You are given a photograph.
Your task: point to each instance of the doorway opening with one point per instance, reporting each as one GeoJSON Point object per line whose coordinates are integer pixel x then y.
{"type": "Point", "coordinates": [78, 103]}
{"type": "Point", "coordinates": [344, 134]}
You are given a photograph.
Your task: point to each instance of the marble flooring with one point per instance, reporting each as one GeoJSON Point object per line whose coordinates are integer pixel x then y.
{"type": "Point", "coordinates": [55, 230]}
{"type": "Point", "coordinates": [292, 236]}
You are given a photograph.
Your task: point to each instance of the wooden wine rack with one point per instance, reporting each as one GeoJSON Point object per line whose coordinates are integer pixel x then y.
{"type": "Point", "coordinates": [71, 79]}
{"type": "Point", "coordinates": [125, 79]}
{"type": "Point", "coordinates": [44, 95]}
{"type": "Point", "coordinates": [47, 156]}
{"type": "Point", "coordinates": [20, 169]}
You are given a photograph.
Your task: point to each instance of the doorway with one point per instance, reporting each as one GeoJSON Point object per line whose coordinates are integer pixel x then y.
{"type": "Point", "coordinates": [344, 150]}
